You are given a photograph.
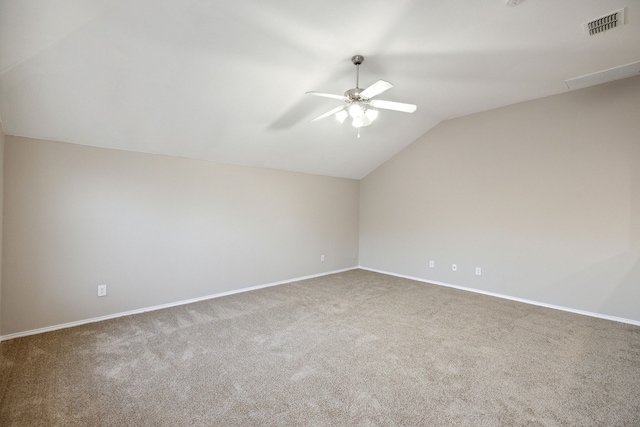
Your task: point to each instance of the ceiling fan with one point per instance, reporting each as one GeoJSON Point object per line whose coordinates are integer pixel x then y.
{"type": "Point", "coordinates": [358, 103]}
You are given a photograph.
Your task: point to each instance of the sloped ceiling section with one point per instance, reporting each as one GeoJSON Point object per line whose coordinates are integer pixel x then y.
{"type": "Point", "coordinates": [225, 80]}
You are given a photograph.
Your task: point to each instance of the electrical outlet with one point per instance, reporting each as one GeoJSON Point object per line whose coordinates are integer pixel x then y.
{"type": "Point", "coordinates": [102, 290]}
{"type": "Point", "coordinates": [478, 271]}
{"type": "Point", "coordinates": [321, 257]}
{"type": "Point", "coordinates": [432, 264]}
{"type": "Point", "coordinates": [454, 267]}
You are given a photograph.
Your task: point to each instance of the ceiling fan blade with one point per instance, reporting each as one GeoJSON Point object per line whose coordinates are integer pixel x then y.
{"type": "Point", "coordinates": [327, 114]}
{"type": "Point", "coordinates": [376, 89]}
{"type": "Point", "coordinates": [390, 105]}
{"type": "Point", "coordinates": [327, 95]}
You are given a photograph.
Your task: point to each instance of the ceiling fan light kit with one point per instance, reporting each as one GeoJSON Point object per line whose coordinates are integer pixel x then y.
{"type": "Point", "coordinates": [359, 102]}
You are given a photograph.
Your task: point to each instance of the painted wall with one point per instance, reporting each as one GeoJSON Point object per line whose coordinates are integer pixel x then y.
{"type": "Point", "coordinates": [543, 195]}
{"type": "Point", "coordinates": [156, 230]}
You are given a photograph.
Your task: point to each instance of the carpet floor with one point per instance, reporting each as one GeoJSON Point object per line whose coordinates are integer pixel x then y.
{"type": "Point", "coordinates": [349, 349]}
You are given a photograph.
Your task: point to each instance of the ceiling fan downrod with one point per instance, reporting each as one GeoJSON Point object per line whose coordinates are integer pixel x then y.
{"type": "Point", "coordinates": [357, 60]}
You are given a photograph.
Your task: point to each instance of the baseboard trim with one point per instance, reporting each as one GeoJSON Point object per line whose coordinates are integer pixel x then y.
{"type": "Point", "coordinates": [163, 306]}
{"type": "Point", "coordinates": [497, 295]}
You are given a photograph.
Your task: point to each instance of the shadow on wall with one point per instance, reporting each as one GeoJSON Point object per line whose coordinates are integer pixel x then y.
{"type": "Point", "coordinates": [611, 285]}
{"type": "Point", "coordinates": [627, 290]}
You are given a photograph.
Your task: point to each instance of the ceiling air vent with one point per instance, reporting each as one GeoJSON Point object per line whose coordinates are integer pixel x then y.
{"type": "Point", "coordinates": [604, 23]}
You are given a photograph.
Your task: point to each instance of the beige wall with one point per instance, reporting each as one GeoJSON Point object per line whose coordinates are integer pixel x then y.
{"type": "Point", "coordinates": [156, 230]}
{"type": "Point", "coordinates": [543, 195]}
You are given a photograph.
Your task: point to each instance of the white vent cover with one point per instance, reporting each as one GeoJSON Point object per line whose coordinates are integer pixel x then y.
{"type": "Point", "coordinates": [604, 76]}
{"type": "Point", "coordinates": [604, 23]}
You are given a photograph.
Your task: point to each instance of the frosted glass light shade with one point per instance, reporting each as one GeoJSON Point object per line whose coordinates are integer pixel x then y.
{"type": "Point", "coordinates": [355, 110]}
{"type": "Point", "coordinates": [371, 114]}
{"type": "Point", "coordinates": [360, 122]}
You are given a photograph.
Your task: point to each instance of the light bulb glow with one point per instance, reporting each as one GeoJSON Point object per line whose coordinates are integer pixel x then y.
{"type": "Point", "coordinates": [341, 115]}
{"type": "Point", "coordinates": [355, 110]}
{"type": "Point", "coordinates": [360, 122]}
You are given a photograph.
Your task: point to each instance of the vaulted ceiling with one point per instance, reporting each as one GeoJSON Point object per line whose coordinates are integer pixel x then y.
{"type": "Point", "coordinates": [225, 80]}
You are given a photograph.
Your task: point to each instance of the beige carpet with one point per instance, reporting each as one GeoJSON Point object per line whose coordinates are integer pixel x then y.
{"type": "Point", "coordinates": [350, 349]}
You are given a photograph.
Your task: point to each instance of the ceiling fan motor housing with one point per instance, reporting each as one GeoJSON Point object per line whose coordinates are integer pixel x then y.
{"type": "Point", "coordinates": [354, 94]}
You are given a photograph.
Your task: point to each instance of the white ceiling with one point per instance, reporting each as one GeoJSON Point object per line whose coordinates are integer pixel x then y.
{"type": "Point", "coordinates": [224, 80]}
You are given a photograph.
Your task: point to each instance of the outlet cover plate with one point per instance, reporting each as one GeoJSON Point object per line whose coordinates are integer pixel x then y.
{"type": "Point", "coordinates": [102, 290]}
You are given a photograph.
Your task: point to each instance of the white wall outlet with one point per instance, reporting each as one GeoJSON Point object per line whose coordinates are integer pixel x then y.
{"type": "Point", "coordinates": [454, 267]}
{"type": "Point", "coordinates": [102, 290]}
{"type": "Point", "coordinates": [432, 263]}
{"type": "Point", "coordinates": [321, 257]}
{"type": "Point", "coordinates": [478, 271]}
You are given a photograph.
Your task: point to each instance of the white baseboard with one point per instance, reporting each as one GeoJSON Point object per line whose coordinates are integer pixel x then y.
{"type": "Point", "coordinates": [161, 306]}
{"type": "Point", "coordinates": [526, 301]}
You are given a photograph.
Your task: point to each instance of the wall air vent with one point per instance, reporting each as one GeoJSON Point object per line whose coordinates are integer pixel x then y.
{"type": "Point", "coordinates": [604, 23]}
{"type": "Point", "coordinates": [604, 76]}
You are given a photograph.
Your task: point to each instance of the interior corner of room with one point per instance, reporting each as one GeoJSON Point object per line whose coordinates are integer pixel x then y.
{"type": "Point", "coordinates": [542, 195]}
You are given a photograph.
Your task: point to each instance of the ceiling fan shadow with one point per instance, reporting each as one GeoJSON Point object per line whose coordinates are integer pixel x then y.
{"type": "Point", "coordinates": [295, 114]}
{"type": "Point", "coordinates": [304, 106]}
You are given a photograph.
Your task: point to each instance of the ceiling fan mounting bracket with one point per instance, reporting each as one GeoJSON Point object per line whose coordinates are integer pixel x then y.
{"type": "Point", "coordinates": [357, 59]}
